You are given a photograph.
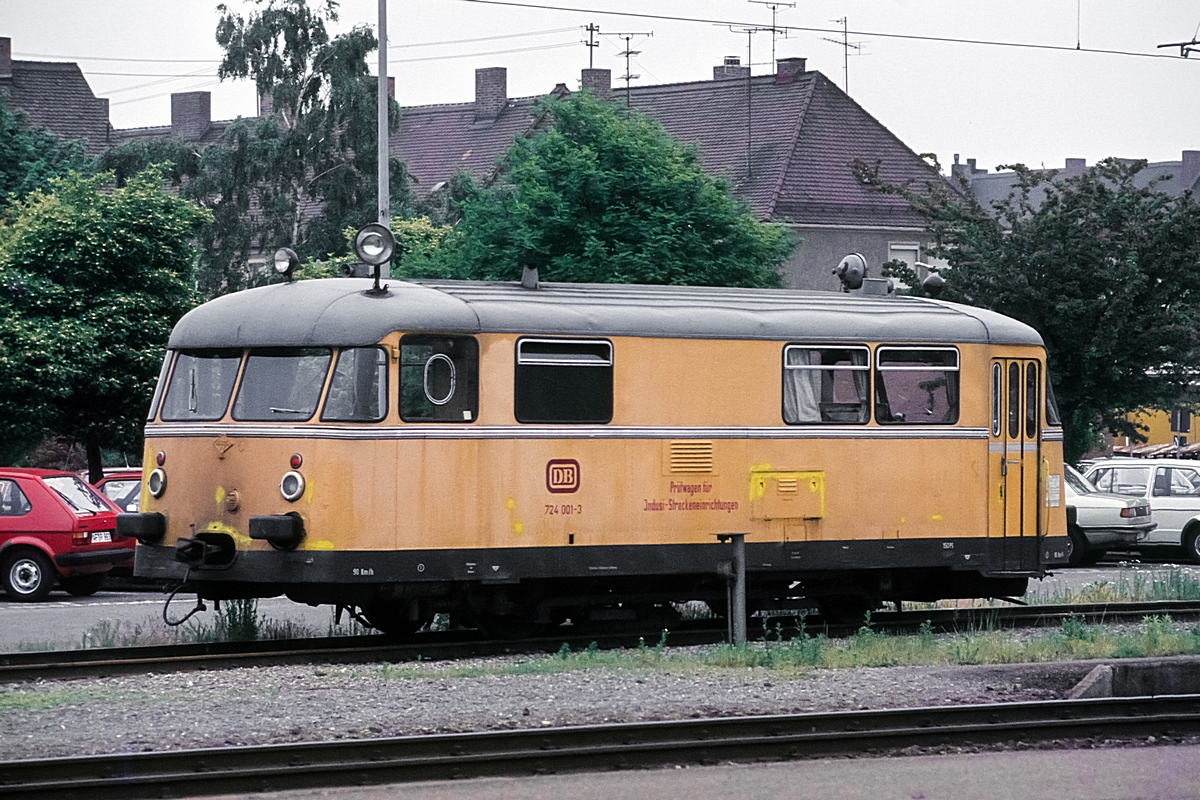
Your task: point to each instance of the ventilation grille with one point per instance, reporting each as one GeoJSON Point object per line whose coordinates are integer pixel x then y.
{"type": "Point", "coordinates": [788, 485]}
{"type": "Point", "coordinates": [691, 457]}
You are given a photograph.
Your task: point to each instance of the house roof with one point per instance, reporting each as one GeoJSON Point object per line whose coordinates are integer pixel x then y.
{"type": "Point", "coordinates": [801, 135]}
{"type": "Point", "coordinates": [56, 96]}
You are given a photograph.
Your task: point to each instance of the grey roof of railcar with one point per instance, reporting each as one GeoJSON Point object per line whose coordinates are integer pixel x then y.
{"type": "Point", "coordinates": [340, 312]}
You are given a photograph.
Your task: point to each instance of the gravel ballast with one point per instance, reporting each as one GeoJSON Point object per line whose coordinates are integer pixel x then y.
{"type": "Point", "coordinates": [264, 705]}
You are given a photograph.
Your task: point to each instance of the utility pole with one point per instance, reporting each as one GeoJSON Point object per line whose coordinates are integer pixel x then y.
{"type": "Point", "coordinates": [385, 195]}
{"type": "Point", "coordinates": [591, 43]}
{"type": "Point", "coordinates": [629, 53]}
{"type": "Point", "coordinates": [774, 5]}
{"type": "Point", "coordinates": [847, 46]}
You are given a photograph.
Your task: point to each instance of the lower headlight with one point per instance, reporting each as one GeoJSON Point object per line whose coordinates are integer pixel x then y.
{"type": "Point", "coordinates": [157, 483]}
{"type": "Point", "coordinates": [292, 486]}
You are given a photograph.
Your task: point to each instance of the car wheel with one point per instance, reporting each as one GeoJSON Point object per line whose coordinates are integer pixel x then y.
{"type": "Point", "coordinates": [1191, 545]}
{"type": "Point", "coordinates": [28, 576]}
{"type": "Point", "coordinates": [82, 585]}
{"type": "Point", "coordinates": [1076, 546]}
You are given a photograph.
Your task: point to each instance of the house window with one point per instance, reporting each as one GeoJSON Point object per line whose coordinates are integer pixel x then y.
{"type": "Point", "coordinates": [439, 378]}
{"type": "Point", "coordinates": [916, 385]}
{"type": "Point", "coordinates": [910, 254]}
{"type": "Point", "coordinates": [826, 385]}
{"type": "Point", "coordinates": [564, 381]}
{"type": "Point", "coordinates": [358, 390]}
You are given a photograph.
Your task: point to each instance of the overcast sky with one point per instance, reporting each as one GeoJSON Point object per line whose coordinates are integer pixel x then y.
{"type": "Point", "coordinates": [998, 104]}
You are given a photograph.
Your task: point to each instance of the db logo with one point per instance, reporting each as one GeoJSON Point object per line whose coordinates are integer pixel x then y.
{"type": "Point", "coordinates": [562, 475]}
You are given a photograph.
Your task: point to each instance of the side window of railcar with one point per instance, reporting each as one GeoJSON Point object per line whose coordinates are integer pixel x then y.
{"type": "Point", "coordinates": [159, 385]}
{"type": "Point", "coordinates": [826, 385]}
{"type": "Point", "coordinates": [1052, 417]}
{"type": "Point", "coordinates": [439, 378]}
{"type": "Point", "coordinates": [200, 385]}
{"type": "Point", "coordinates": [916, 385]}
{"type": "Point", "coordinates": [281, 384]}
{"type": "Point", "coordinates": [358, 389]}
{"type": "Point", "coordinates": [564, 381]}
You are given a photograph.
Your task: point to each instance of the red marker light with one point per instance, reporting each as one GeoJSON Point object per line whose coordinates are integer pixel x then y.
{"type": "Point", "coordinates": [297, 460]}
{"type": "Point", "coordinates": [161, 458]}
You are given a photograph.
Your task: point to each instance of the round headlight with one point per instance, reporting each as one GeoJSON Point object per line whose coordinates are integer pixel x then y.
{"type": "Point", "coordinates": [157, 483]}
{"type": "Point", "coordinates": [292, 486]}
{"type": "Point", "coordinates": [374, 244]}
{"type": "Point", "coordinates": [286, 261]}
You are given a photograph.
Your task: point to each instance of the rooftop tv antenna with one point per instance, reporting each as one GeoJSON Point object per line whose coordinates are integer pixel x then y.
{"type": "Point", "coordinates": [749, 93]}
{"type": "Point", "coordinates": [629, 53]}
{"type": "Point", "coordinates": [775, 30]}
{"type": "Point", "coordinates": [1185, 48]}
{"type": "Point", "coordinates": [847, 46]}
{"type": "Point", "coordinates": [591, 44]}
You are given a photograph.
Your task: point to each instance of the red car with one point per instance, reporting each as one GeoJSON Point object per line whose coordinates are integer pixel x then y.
{"type": "Point", "coordinates": [122, 486]}
{"type": "Point", "coordinates": [54, 526]}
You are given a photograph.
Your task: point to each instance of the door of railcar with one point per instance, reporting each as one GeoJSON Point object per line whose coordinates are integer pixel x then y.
{"type": "Point", "coordinates": [1014, 453]}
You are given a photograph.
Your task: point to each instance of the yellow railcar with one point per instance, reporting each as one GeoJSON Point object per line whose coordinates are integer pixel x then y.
{"type": "Point", "coordinates": [523, 455]}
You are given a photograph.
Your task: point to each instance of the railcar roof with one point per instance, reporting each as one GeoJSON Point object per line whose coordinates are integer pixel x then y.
{"type": "Point", "coordinates": [341, 312]}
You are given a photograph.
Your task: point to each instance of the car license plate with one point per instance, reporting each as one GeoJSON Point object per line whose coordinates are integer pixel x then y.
{"type": "Point", "coordinates": [101, 536]}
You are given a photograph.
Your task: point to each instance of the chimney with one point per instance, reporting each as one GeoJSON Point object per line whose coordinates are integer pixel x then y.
{"type": "Point", "coordinates": [732, 68]}
{"type": "Point", "coordinates": [491, 92]}
{"type": "Point", "coordinates": [1075, 167]}
{"type": "Point", "coordinates": [786, 69]}
{"type": "Point", "coordinates": [5, 57]}
{"type": "Point", "coordinates": [599, 81]}
{"type": "Point", "coordinates": [1191, 169]}
{"type": "Point", "coordinates": [191, 114]}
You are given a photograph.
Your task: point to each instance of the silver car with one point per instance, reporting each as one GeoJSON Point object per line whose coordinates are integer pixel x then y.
{"type": "Point", "coordinates": [1101, 521]}
{"type": "Point", "coordinates": [1172, 485]}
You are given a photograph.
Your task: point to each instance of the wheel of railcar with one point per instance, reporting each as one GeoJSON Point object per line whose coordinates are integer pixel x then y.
{"type": "Point", "coordinates": [1076, 546]}
{"type": "Point", "coordinates": [82, 585]}
{"type": "Point", "coordinates": [846, 609]}
{"type": "Point", "coordinates": [28, 576]}
{"type": "Point", "coordinates": [518, 624]}
{"type": "Point", "coordinates": [394, 617]}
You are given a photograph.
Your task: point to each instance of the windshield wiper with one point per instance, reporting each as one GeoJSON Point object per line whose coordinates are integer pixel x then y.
{"type": "Point", "coordinates": [287, 410]}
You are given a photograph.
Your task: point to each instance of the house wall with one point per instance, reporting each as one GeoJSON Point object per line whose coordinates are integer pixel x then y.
{"type": "Point", "coordinates": [811, 265]}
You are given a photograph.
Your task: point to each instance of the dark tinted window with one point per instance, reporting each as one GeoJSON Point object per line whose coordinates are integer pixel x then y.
{"type": "Point", "coordinates": [200, 385]}
{"type": "Point", "coordinates": [281, 384]}
{"type": "Point", "coordinates": [439, 379]}
{"type": "Point", "coordinates": [1031, 401]}
{"type": "Point", "coordinates": [1052, 417]}
{"type": "Point", "coordinates": [358, 389]}
{"type": "Point", "coordinates": [916, 386]}
{"type": "Point", "coordinates": [1014, 400]}
{"type": "Point", "coordinates": [564, 381]}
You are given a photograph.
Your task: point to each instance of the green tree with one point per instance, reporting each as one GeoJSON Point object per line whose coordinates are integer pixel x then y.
{"type": "Point", "coordinates": [301, 175]}
{"type": "Point", "coordinates": [30, 155]}
{"type": "Point", "coordinates": [1106, 271]}
{"type": "Point", "coordinates": [605, 195]}
{"type": "Point", "coordinates": [93, 279]}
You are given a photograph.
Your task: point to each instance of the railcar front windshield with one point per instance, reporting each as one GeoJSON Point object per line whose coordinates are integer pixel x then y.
{"type": "Point", "coordinates": [200, 385]}
{"type": "Point", "coordinates": [281, 384]}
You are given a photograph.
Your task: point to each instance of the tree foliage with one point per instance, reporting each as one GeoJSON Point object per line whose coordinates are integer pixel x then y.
{"type": "Point", "coordinates": [605, 195]}
{"type": "Point", "coordinates": [1106, 271]}
{"type": "Point", "coordinates": [31, 155]}
{"type": "Point", "coordinates": [93, 280]}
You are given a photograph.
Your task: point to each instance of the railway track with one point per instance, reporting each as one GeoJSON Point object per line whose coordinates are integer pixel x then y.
{"type": "Point", "coordinates": [62, 665]}
{"type": "Point", "coordinates": [593, 748]}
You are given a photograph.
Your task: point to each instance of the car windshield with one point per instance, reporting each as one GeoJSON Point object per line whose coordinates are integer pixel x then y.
{"type": "Point", "coordinates": [1077, 482]}
{"type": "Point", "coordinates": [79, 496]}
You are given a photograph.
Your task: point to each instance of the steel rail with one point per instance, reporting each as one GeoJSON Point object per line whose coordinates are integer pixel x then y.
{"type": "Point", "coordinates": [93, 662]}
{"type": "Point", "coordinates": [592, 748]}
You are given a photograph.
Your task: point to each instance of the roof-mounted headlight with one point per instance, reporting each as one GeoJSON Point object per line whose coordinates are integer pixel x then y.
{"type": "Point", "coordinates": [286, 262]}
{"type": "Point", "coordinates": [374, 244]}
